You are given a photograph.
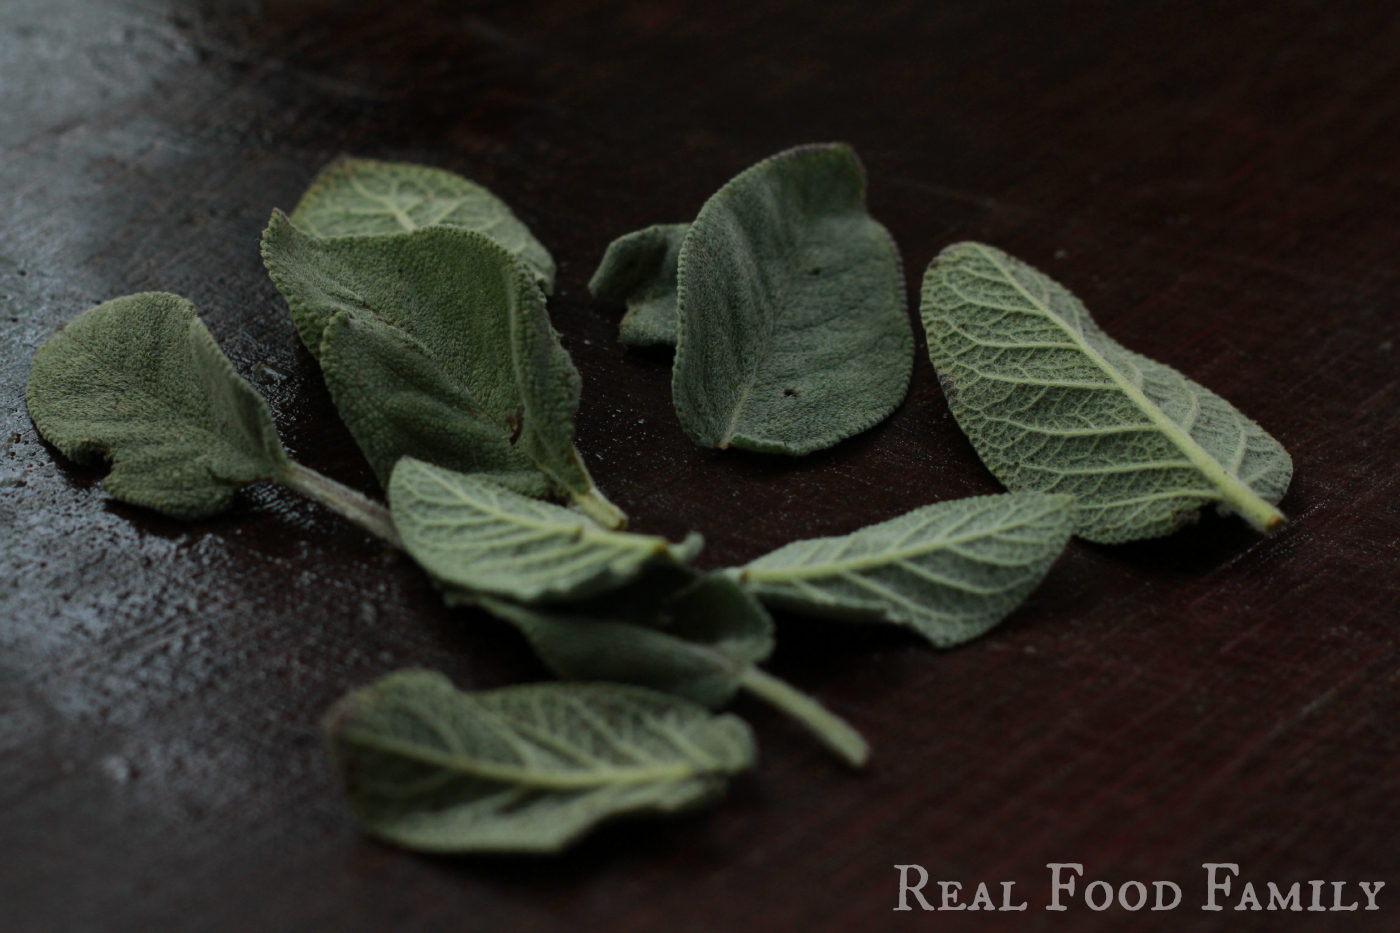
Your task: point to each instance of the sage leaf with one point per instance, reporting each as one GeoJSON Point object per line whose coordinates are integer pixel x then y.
{"type": "Point", "coordinates": [950, 570]}
{"type": "Point", "coordinates": [366, 197]}
{"type": "Point", "coordinates": [435, 344]}
{"type": "Point", "coordinates": [427, 411]}
{"type": "Point", "coordinates": [640, 269]}
{"type": "Point", "coordinates": [1052, 403]}
{"type": "Point", "coordinates": [793, 330]}
{"type": "Point", "coordinates": [470, 532]}
{"type": "Point", "coordinates": [672, 630]}
{"type": "Point", "coordinates": [699, 636]}
{"type": "Point", "coordinates": [523, 769]}
{"type": "Point", "coordinates": [140, 382]}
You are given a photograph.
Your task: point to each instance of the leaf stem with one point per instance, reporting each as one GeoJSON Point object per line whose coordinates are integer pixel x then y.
{"type": "Point", "coordinates": [597, 507]}
{"type": "Point", "coordinates": [834, 732]}
{"type": "Point", "coordinates": [358, 509]}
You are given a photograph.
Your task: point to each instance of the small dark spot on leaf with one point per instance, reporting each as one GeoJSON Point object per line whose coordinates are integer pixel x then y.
{"type": "Point", "coordinates": [815, 270]}
{"type": "Point", "coordinates": [790, 392]}
{"type": "Point", "coordinates": [516, 423]}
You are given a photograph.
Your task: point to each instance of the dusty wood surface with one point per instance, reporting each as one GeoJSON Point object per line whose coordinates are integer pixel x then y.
{"type": "Point", "coordinates": [1218, 182]}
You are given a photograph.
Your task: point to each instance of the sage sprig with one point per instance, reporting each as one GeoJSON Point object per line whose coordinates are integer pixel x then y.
{"type": "Point", "coordinates": [950, 570]}
{"type": "Point", "coordinates": [472, 533]}
{"type": "Point", "coordinates": [422, 298]}
{"type": "Point", "coordinates": [1052, 403]}
{"type": "Point", "coordinates": [700, 636]}
{"type": "Point", "coordinates": [140, 382]}
{"type": "Point", "coordinates": [435, 344]}
{"type": "Point", "coordinates": [367, 197]}
{"type": "Point", "coordinates": [523, 769]}
{"type": "Point", "coordinates": [793, 333]}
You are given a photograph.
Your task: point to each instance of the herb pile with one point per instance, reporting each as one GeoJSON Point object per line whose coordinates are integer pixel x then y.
{"type": "Point", "coordinates": [423, 299]}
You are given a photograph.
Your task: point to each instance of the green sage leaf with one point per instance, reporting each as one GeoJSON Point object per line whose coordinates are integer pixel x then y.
{"type": "Point", "coordinates": [366, 197]}
{"type": "Point", "coordinates": [426, 411]}
{"type": "Point", "coordinates": [950, 570]}
{"type": "Point", "coordinates": [472, 533]}
{"type": "Point", "coordinates": [139, 382]}
{"type": "Point", "coordinates": [435, 344]}
{"type": "Point", "coordinates": [793, 331]}
{"type": "Point", "coordinates": [1052, 403]}
{"type": "Point", "coordinates": [640, 269]}
{"type": "Point", "coordinates": [523, 769]}
{"type": "Point", "coordinates": [700, 636]}
{"type": "Point", "coordinates": [672, 630]}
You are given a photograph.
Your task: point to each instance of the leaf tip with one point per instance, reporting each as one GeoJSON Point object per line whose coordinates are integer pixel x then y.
{"type": "Point", "coordinates": [688, 549]}
{"type": "Point", "coordinates": [859, 757]}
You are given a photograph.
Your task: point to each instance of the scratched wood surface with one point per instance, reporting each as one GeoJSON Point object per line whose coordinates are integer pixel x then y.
{"type": "Point", "coordinates": [1217, 181]}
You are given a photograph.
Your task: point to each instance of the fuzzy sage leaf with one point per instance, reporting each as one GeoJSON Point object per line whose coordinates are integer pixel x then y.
{"type": "Point", "coordinates": [523, 769]}
{"type": "Point", "coordinates": [435, 344]}
{"type": "Point", "coordinates": [139, 382]}
{"type": "Point", "coordinates": [699, 636]}
{"type": "Point", "coordinates": [1052, 403]}
{"type": "Point", "coordinates": [672, 630]}
{"type": "Point", "coordinates": [950, 570]}
{"type": "Point", "coordinates": [640, 269]}
{"type": "Point", "coordinates": [366, 197]}
{"type": "Point", "coordinates": [471, 533]}
{"type": "Point", "coordinates": [793, 331]}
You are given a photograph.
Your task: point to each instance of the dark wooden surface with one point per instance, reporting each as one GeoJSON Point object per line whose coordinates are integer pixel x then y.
{"type": "Point", "coordinates": [1219, 182]}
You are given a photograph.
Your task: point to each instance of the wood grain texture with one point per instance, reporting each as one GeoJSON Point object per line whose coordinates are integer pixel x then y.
{"type": "Point", "coordinates": [1218, 184]}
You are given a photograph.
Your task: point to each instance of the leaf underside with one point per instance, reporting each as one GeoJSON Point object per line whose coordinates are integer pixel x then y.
{"type": "Point", "coordinates": [671, 630]}
{"type": "Point", "coordinates": [523, 769]}
{"type": "Point", "coordinates": [139, 382]}
{"type": "Point", "coordinates": [472, 533]}
{"type": "Point", "coordinates": [640, 269]}
{"type": "Point", "coordinates": [1051, 403]}
{"type": "Point", "coordinates": [435, 345]}
{"type": "Point", "coordinates": [366, 197]}
{"type": "Point", "coordinates": [950, 571]}
{"type": "Point", "coordinates": [793, 331]}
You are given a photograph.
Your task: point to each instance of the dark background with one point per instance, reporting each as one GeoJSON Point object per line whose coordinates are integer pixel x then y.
{"type": "Point", "coordinates": [1219, 183]}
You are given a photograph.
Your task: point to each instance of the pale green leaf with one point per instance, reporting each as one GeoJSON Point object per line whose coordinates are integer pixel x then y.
{"type": "Point", "coordinates": [950, 570]}
{"type": "Point", "coordinates": [640, 269]}
{"type": "Point", "coordinates": [699, 636]}
{"type": "Point", "coordinates": [523, 769]}
{"type": "Point", "coordinates": [472, 533]}
{"type": "Point", "coordinates": [1052, 403]}
{"type": "Point", "coordinates": [793, 330]}
{"type": "Point", "coordinates": [673, 630]}
{"type": "Point", "coordinates": [365, 197]}
{"type": "Point", "coordinates": [139, 382]}
{"type": "Point", "coordinates": [439, 326]}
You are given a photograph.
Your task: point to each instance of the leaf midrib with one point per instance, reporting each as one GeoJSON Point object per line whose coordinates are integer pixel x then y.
{"type": "Point", "coordinates": [885, 557]}
{"type": "Point", "coordinates": [761, 358]}
{"type": "Point", "coordinates": [594, 535]}
{"type": "Point", "coordinates": [525, 777]}
{"type": "Point", "coordinates": [1230, 488]}
{"type": "Point", "coordinates": [393, 209]}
